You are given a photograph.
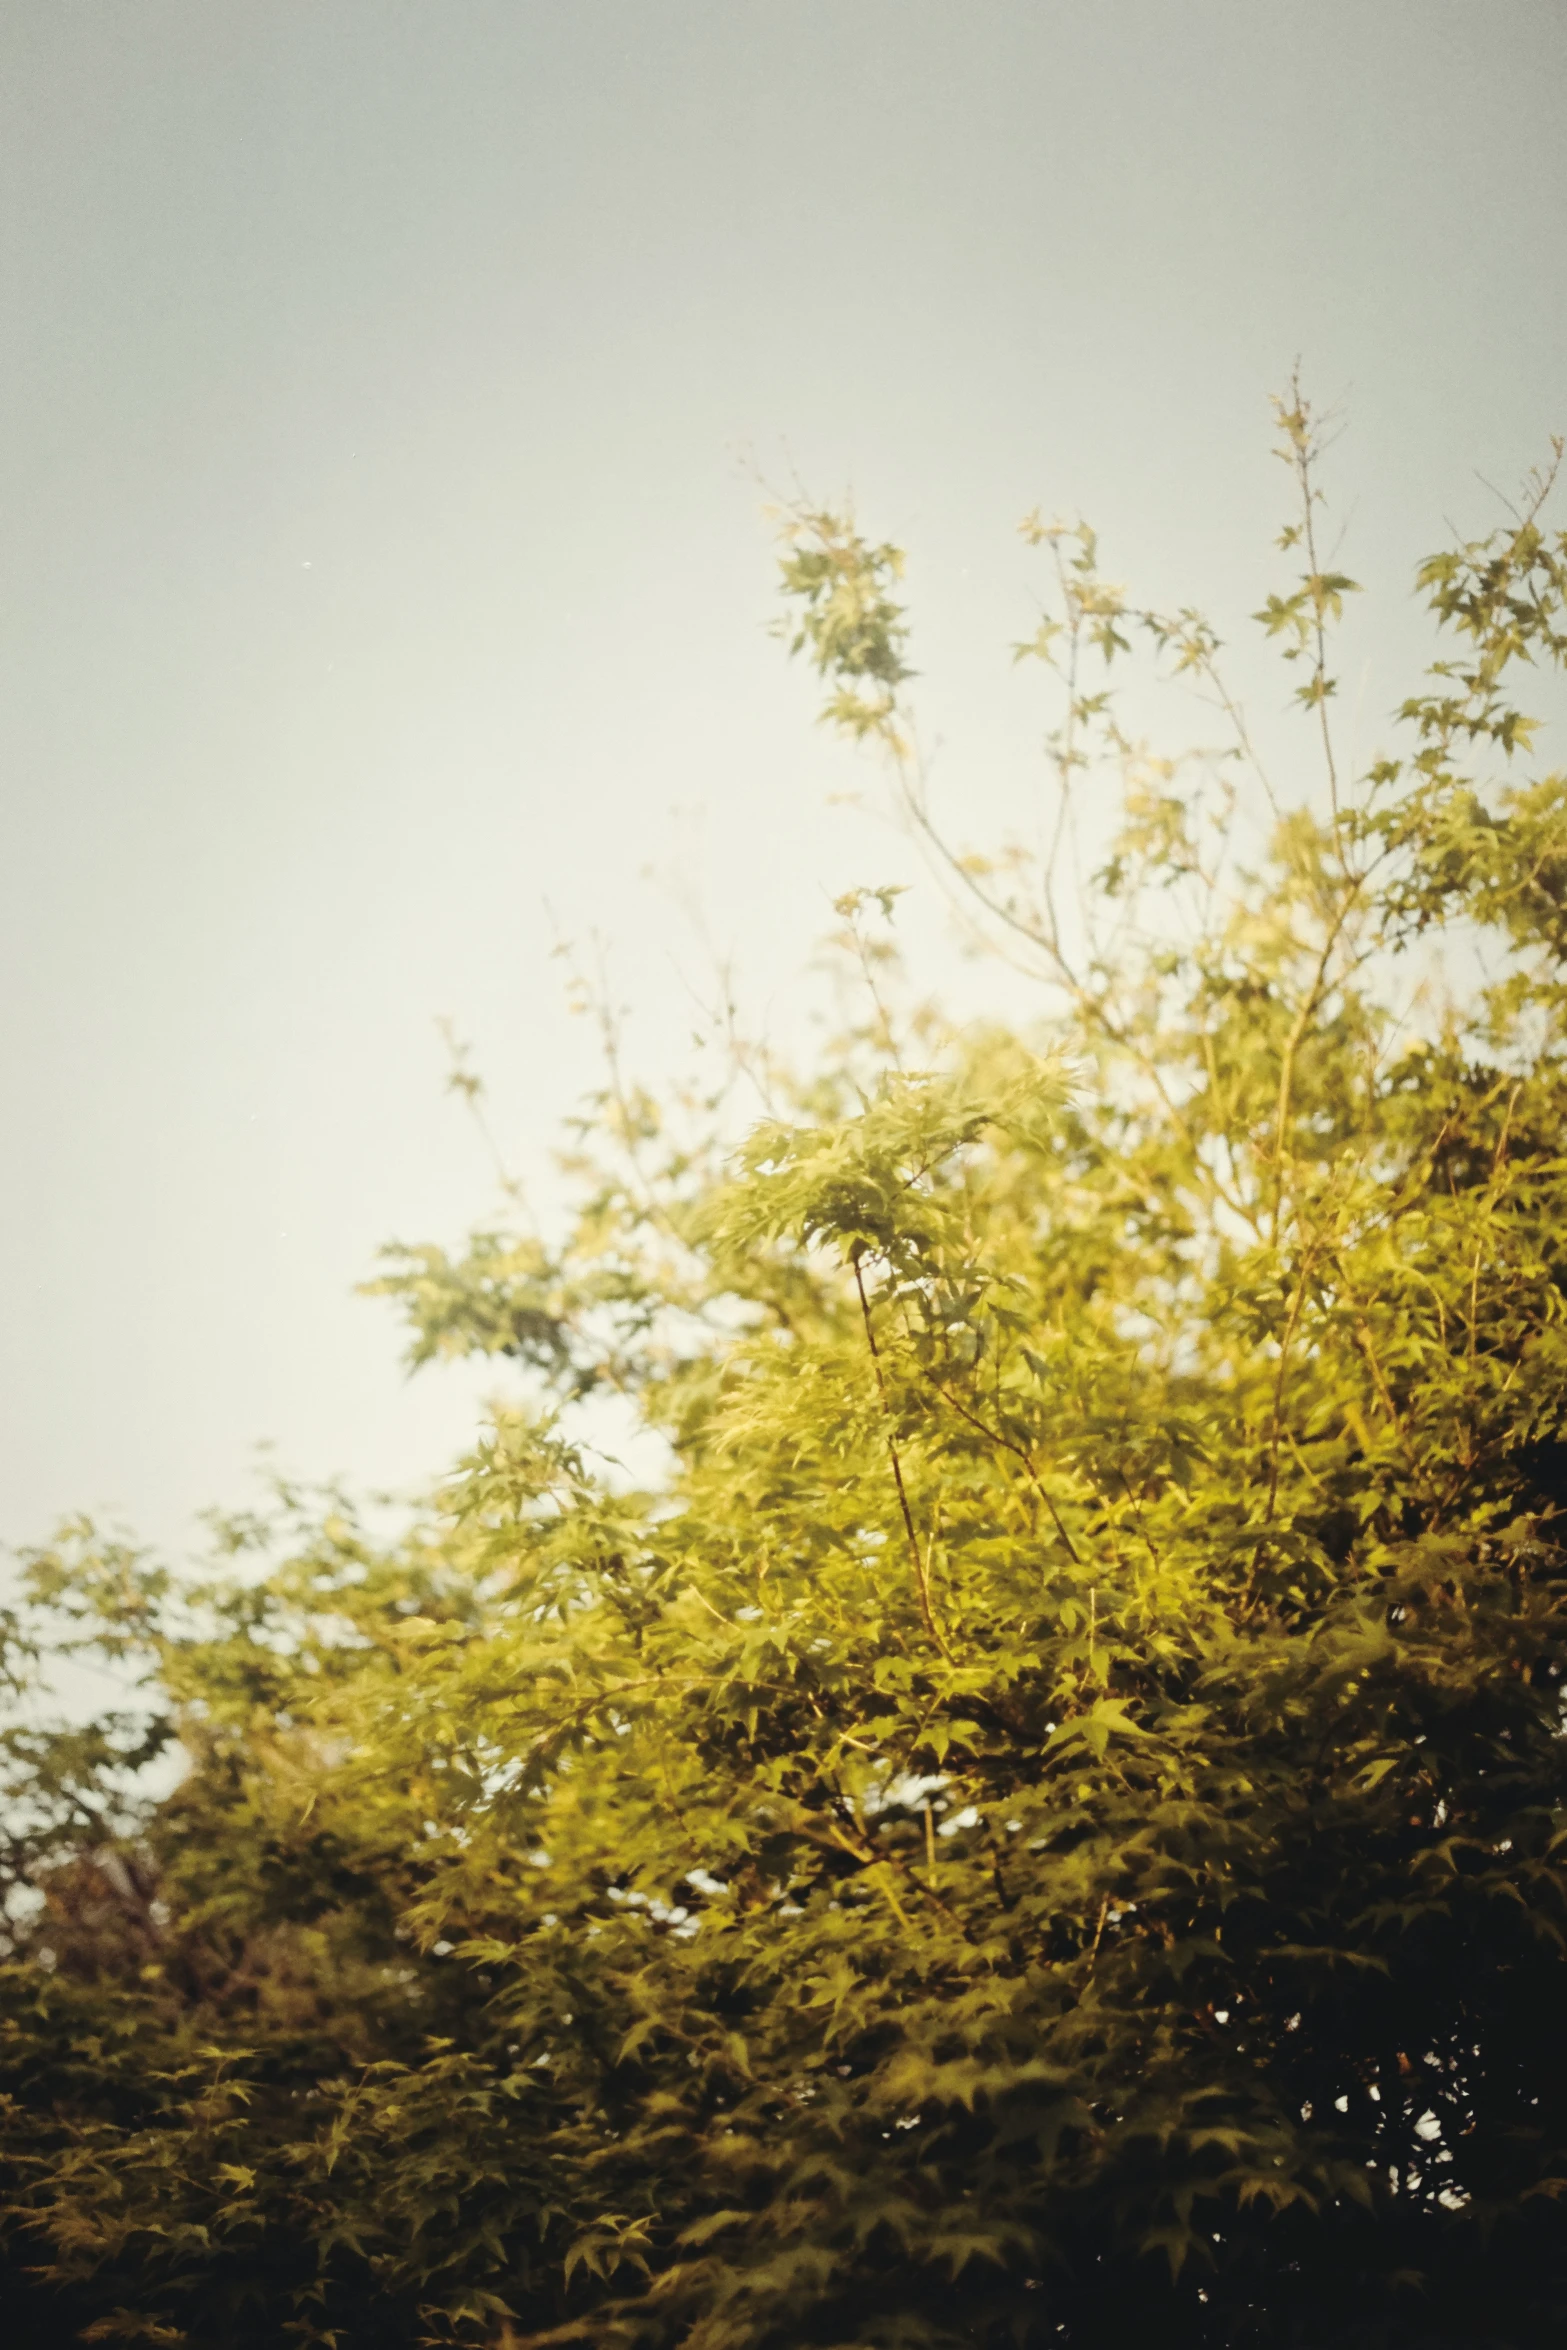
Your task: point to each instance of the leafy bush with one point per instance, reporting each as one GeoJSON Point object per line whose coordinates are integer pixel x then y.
{"type": "Point", "coordinates": [1046, 1823]}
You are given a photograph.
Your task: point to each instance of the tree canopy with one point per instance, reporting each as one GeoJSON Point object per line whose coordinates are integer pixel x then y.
{"type": "Point", "coordinates": [1045, 1820]}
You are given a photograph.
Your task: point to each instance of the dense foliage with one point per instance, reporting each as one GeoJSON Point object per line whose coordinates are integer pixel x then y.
{"type": "Point", "coordinates": [1044, 1823]}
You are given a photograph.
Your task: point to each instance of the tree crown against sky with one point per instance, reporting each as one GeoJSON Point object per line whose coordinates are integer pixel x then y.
{"type": "Point", "coordinates": [1044, 1816]}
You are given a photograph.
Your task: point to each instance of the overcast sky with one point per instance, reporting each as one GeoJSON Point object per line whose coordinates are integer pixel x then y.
{"type": "Point", "coordinates": [382, 569]}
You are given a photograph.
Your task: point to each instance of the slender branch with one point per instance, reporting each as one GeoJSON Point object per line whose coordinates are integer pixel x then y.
{"type": "Point", "coordinates": [1104, 1911]}
{"type": "Point", "coordinates": [1308, 498]}
{"type": "Point", "coordinates": [1296, 1038]}
{"type": "Point", "coordinates": [1288, 1340]}
{"type": "Point", "coordinates": [1091, 1007]}
{"type": "Point", "coordinates": [921, 1572]}
{"type": "Point", "coordinates": [1019, 1452]}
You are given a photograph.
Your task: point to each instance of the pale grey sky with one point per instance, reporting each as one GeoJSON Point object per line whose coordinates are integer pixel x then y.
{"type": "Point", "coordinates": [379, 562]}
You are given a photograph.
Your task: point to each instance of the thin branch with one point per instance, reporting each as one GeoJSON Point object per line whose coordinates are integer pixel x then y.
{"type": "Point", "coordinates": [921, 1572]}
{"type": "Point", "coordinates": [1019, 1452]}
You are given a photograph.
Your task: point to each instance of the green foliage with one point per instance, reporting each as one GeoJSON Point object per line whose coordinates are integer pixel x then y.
{"type": "Point", "coordinates": [1047, 1823]}
{"type": "Point", "coordinates": [845, 615]}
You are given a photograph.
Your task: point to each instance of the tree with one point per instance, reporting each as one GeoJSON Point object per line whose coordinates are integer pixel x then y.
{"type": "Point", "coordinates": [1046, 1822]}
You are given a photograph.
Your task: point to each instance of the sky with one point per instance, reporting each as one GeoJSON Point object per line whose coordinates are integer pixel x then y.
{"type": "Point", "coordinates": [386, 592]}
